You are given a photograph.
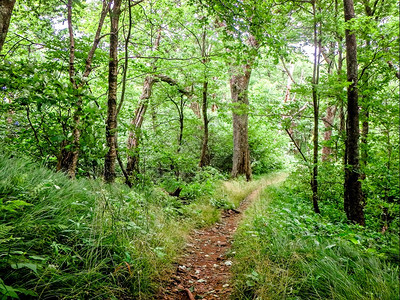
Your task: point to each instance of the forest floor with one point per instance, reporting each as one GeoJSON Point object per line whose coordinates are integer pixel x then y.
{"type": "Point", "coordinates": [203, 271]}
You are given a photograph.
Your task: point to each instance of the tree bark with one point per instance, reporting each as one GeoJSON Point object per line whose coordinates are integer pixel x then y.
{"type": "Point", "coordinates": [204, 157]}
{"type": "Point", "coordinates": [132, 166]}
{"type": "Point", "coordinates": [352, 186]}
{"type": "Point", "coordinates": [315, 81]}
{"type": "Point", "coordinates": [133, 142]}
{"type": "Point", "coordinates": [6, 8]}
{"type": "Point", "coordinates": [111, 123]}
{"type": "Point", "coordinates": [239, 84]}
{"type": "Point", "coordinates": [181, 123]}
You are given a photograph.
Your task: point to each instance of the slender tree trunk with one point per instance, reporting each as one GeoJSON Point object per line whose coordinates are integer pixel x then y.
{"type": "Point", "coordinates": [352, 186]}
{"type": "Point", "coordinates": [67, 160]}
{"type": "Point", "coordinates": [315, 81]}
{"type": "Point", "coordinates": [181, 124]}
{"type": "Point", "coordinates": [111, 123]}
{"type": "Point", "coordinates": [6, 8]}
{"type": "Point", "coordinates": [132, 166]}
{"type": "Point", "coordinates": [239, 84]}
{"type": "Point", "coordinates": [76, 133]}
{"type": "Point", "coordinates": [204, 157]}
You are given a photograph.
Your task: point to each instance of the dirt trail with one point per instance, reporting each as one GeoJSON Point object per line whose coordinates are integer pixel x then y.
{"type": "Point", "coordinates": [203, 272]}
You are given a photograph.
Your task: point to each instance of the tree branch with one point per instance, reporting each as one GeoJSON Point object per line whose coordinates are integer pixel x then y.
{"type": "Point", "coordinates": [96, 41]}
{"type": "Point", "coordinates": [287, 71]}
{"type": "Point", "coordinates": [172, 82]}
{"type": "Point", "coordinates": [298, 148]}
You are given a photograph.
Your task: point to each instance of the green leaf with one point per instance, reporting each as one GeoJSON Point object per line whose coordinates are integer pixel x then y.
{"type": "Point", "coordinates": [7, 291]}
{"type": "Point", "coordinates": [30, 266]}
{"type": "Point", "coordinates": [37, 257]}
{"type": "Point", "coordinates": [354, 241]}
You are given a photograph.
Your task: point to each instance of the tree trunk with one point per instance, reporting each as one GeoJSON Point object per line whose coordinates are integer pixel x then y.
{"type": "Point", "coordinates": [180, 108]}
{"type": "Point", "coordinates": [64, 159]}
{"type": "Point", "coordinates": [352, 186]}
{"type": "Point", "coordinates": [315, 81]}
{"type": "Point", "coordinates": [76, 133]}
{"type": "Point", "coordinates": [239, 84]}
{"type": "Point", "coordinates": [111, 123]}
{"type": "Point", "coordinates": [134, 135]}
{"type": "Point", "coordinates": [6, 8]}
{"type": "Point", "coordinates": [67, 160]}
{"type": "Point", "coordinates": [204, 157]}
{"type": "Point", "coordinates": [132, 166]}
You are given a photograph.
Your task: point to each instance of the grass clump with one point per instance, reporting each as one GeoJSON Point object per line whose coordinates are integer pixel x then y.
{"type": "Point", "coordinates": [285, 251]}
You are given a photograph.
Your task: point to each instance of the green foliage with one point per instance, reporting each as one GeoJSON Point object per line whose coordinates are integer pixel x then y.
{"type": "Point", "coordinates": [83, 239]}
{"type": "Point", "coordinates": [283, 250]}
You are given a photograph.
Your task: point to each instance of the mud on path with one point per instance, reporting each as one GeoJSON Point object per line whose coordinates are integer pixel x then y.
{"type": "Point", "coordinates": [203, 272]}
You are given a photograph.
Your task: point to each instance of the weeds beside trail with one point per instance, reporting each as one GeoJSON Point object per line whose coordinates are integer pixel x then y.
{"type": "Point", "coordinates": [285, 251]}
{"type": "Point", "coordinates": [204, 269]}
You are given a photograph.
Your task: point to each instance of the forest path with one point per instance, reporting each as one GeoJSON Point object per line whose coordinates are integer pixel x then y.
{"type": "Point", "coordinates": [203, 272]}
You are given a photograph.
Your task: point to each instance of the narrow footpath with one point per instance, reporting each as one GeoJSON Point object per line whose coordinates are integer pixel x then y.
{"type": "Point", "coordinates": [203, 272]}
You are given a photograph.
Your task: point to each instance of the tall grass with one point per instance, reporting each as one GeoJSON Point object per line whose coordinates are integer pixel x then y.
{"type": "Point", "coordinates": [83, 239]}
{"type": "Point", "coordinates": [284, 251]}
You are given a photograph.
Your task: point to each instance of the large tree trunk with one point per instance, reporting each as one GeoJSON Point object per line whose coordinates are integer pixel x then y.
{"type": "Point", "coordinates": [6, 8]}
{"type": "Point", "coordinates": [111, 123]}
{"type": "Point", "coordinates": [204, 157]}
{"type": "Point", "coordinates": [239, 84]}
{"type": "Point", "coordinates": [352, 187]}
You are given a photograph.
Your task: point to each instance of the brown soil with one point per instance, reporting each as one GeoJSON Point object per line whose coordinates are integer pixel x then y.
{"type": "Point", "coordinates": [203, 272]}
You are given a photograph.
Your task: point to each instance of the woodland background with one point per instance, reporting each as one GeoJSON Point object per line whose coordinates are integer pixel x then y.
{"type": "Point", "coordinates": [120, 119]}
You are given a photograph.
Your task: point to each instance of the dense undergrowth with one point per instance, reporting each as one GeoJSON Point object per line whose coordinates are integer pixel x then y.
{"type": "Point", "coordinates": [83, 239]}
{"type": "Point", "coordinates": [285, 251]}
